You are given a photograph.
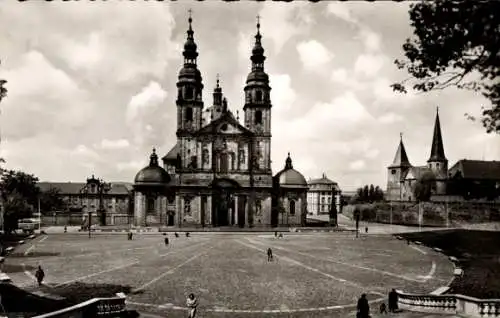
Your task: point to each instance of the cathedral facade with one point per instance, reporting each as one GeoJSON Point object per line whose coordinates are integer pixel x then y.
{"type": "Point", "coordinates": [219, 171]}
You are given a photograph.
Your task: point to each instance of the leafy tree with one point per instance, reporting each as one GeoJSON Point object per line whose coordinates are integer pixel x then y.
{"type": "Point", "coordinates": [455, 44]}
{"type": "Point", "coordinates": [424, 186]}
{"type": "Point", "coordinates": [19, 194]}
{"type": "Point", "coordinates": [51, 200]}
{"type": "Point", "coordinates": [371, 193]}
{"type": "Point", "coordinates": [366, 194]}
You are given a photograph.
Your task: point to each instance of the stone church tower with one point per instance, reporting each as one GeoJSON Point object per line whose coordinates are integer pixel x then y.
{"type": "Point", "coordinates": [397, 172]}
{"type": "Point", "coordinates": [257, 106]}
{"type": "Point", "coordinates": [437, 161]}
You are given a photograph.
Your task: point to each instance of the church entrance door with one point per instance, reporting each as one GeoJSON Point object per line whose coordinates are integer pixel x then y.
{"type": "Point", "coordinates": [223, 203]}
{"type": "Point", "coordinates": [170, 219]}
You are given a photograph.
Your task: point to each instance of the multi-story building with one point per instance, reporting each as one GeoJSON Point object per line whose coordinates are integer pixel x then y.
{"type": "Point", "coordinates": [322, 193]}
{"type": "Point", "coordinates": [219, 171]}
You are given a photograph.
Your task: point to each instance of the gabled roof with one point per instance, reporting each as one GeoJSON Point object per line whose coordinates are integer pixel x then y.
{"type": "Point", "coordinates": [322, 180]}
{"type": "Point", "coordinates": [228, 118]}
{"type": "Point", "coordinates": [416, 172]}
{"type": "Point", "coordinates": [172, 154]}
{"type": "Point", "coordinates": [478, 169]}
{"type": "Point", "coordinates": [76, 187]}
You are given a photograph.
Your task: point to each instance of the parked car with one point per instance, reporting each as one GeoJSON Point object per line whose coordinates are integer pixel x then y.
{"type": "Point", "coordinates": [28, 225]}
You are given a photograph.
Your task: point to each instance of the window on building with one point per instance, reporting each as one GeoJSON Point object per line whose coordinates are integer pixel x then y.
{"type": "Point", "coordinates": [258, 96]}
{"type": "Point", "coordinates": [242, 156]}
{"type": "Point", "coordinates": [393, 171]}
{"type": "Point", "coordinates": [322, 200]}
{"type": "Point", "coordinates": [292, 207]}
{"type": "Point", "coordinates": [187, 206]}
{"type": "Point", "coordinates": [189, 93]}
{"type": "Point", "coordinates": [189, 114]}
{"type": "Point", "coordinates": [150, 209]}
{"type": "Point", "coordinates": [258, 117]}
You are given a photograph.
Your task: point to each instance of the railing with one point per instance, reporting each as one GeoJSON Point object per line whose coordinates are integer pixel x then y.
{"type": "Point", "coordinates": [96, 307]}
{"type": "Point", "coordinates": [457, 304]}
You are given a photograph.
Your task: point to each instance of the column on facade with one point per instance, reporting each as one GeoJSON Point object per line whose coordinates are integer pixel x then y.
{"type": "Point", "coordinates": [139, 209]}
{"type": "Point", "coordinates": [247, 211]}
{"type": "Point", "coordinates": [236, 209]}
{"type": "Point", "coordinates": [178, 208]}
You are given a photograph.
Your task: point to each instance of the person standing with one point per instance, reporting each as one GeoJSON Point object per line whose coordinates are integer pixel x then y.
{"type": "Point", "coordinates": [192, 304]}
{"type": "Point", "coordinates": [393, 301]}
{"type": "Point", "coordinates": [269, 255]}
{"type": "Point", "coordinates": [166, 241]}
{"type": "Point", "coordinates": [39, 274]}
{"type": "Point", "coordinates": [363, 307]}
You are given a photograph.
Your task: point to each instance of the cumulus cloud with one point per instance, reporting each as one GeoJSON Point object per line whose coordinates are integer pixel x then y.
{"type": "Point", "coordinates": [371, 40]}
{"type": "Point", "coordinates": [113, 144]}
{"type": "Point", "coordinates": [313, 55]}
{"type": "Point", "coordinates": [38, 98]}
{"type": "Point", "coordinates": [283, 95]}
{"type": "Point", "coordinates": [390, 118]}
{"type": "Point", "coordinates": [357, 165]}
{"type": "Point", "coordinates": [369, 65]}
{"type": "Point", "coordinates": [146, 114]}
{"type": "Point", "coordinates": [342, 11]}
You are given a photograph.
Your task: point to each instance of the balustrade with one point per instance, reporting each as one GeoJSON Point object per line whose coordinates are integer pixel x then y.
{"type": "Point", "coordinates": [458, 304]}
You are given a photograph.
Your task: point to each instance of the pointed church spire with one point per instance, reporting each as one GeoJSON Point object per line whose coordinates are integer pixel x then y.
{"type": "Point", "coordinates": [401, 158]}
{"type": "Point", "coordinates": [437, 149]}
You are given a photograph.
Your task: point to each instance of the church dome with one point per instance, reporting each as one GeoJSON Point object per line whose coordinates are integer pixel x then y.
{"type": "Point", "coordinates": [152, 174]}
{"type": "Point", "coordinates": [258, 76]}
{"type": "Point", "coordinates": [289, 177]}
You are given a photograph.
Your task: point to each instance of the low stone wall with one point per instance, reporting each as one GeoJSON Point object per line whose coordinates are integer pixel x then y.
{"type": "Point", "coordinates": [433, 213]}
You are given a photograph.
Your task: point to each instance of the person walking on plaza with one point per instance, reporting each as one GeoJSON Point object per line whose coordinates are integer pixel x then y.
{"type": "Point", "coordinates": [129, 235]}
{"type": "Point", "coordinates": [39, 275]}
{"type": "Point", "coordinates": [166, 241]}
{"type": "Point", "coordinates": [187, 234]}
{"type": "Point", "coordinates": [192, 304]}
{"type": "Point", "coordinates": [363, 307]}
{"type": "Point", "coordinates": [383, 309]}
{"type": "Point", "coordinates": [269, 255]}
{"type": "Point", "coordinates": [176, 234]}
{"type": "Point", "coordinates": [393, 301]}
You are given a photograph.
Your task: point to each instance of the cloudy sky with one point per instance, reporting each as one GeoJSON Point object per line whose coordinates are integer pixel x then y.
{"type": "Point", "coordinates": [92, 86]}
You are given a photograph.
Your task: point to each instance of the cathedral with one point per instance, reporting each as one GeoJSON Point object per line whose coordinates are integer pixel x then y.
{"type": "Point", "coordinates": [219, 171]}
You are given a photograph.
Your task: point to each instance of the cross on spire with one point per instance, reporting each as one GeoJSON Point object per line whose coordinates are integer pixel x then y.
{"type": "Point", "coordinates": [190, 11]}
{"type": "Point", "coordinates": [217, 76]}
{"type": "Point", "coordinates": [258, 24]}
{"type": "Point", "coordinates": [400, 135]}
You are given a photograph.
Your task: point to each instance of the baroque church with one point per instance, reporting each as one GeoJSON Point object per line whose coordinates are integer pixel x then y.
{"type": "Point", "coordinates": [219, 171]}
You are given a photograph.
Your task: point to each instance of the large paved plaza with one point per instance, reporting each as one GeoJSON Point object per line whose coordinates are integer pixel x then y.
{"type": "Point", "coordinates": [312, 275]}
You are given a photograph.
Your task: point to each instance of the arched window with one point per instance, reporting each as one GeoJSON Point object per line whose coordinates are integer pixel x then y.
{"type": "Point", "coordinates": [205, 156]}
{"type": "Point", "coordinates": [292, 207]}
{"type": "Point", "coordinates": [258, 96]}
{"type": "Point", "coordinates": [233, 161]}
{"type": "Point", "coordinates": [258, 117]}
{"type": "Point", "coordinates": [188, 93]}
{"type": "Point", "coordinates": [189, 114]}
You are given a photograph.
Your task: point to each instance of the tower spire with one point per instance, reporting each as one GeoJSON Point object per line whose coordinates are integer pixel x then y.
{"type": "Point", "coordinates": [437, 149]}
{"type": "Point", "coordinates": [190, 53]}
{"type": "Point", "coordinates": [401, 158]}
{"type": "Point", "coordinates": [217, 92]}
{"type": "Point", "coordinates": [258, 57]}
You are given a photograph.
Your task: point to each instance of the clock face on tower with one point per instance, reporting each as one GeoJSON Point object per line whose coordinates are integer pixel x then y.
{"type": "Point", "coordinates": [259, 128]}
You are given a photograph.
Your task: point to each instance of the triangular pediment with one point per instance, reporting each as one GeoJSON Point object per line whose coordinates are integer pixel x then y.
{"type": "Point", "coordinates": [226, 124]}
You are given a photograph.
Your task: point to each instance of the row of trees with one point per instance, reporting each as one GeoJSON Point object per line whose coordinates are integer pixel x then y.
{"type": "Point", "coordinates": [368, 194]}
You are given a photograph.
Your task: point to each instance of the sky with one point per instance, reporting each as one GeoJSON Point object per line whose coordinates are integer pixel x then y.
{"type": "Point", "coordinates": [92, 86]}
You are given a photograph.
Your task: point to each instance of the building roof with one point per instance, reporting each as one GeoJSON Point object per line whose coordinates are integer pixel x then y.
{"type": "Point", "coordinates": [401, 158]}
{"type": "Point", "coordinates": [227, 117]}
{"type": "Point", "coordinates": [67, 188]}
{"type": "Point", "coordinates": [152, 174]}
{"type": "Point", "coordinates": [417, 172]}
{"type": "Point", "coordinates": [172, 154]}
{"type": "Point", "coordinates": [322, 180]}
{"type": "Point", "coordinates": [437, 149]}
{"type": "Point", "coordinates": [478, 169]}
{"type": "Point", "coordinates": [289, 177]}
